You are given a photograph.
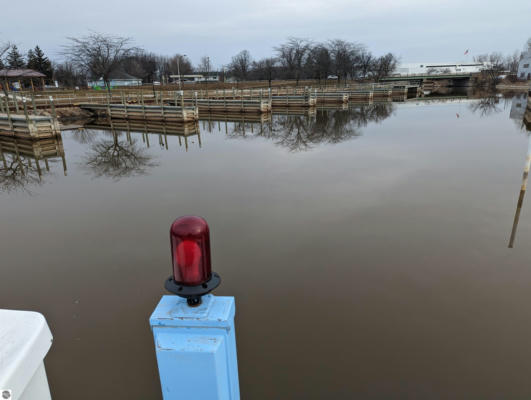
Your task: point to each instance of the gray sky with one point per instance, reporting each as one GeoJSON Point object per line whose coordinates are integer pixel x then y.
{"type": "Point", "coordinates": [415, 30]}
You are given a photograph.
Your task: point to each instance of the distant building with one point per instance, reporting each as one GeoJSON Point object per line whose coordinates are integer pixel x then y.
{"type": "Point", "coordinates": [195, 78]}
{"type": "Point", "coordinates": [524, 66]}
{"type": "Point", "coordinates": [439, 68]}
{"type": "Point", "coordinates": [118, 78]}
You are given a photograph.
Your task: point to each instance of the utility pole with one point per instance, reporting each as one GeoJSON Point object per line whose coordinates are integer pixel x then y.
{"type": "Point", "coordinates": [207, 73]}
{"type": "Point", "coordinates": [179, 69]}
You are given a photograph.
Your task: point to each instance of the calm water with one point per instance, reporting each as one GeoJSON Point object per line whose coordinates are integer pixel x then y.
{"type": "Point", "coordinates": [367, 250]}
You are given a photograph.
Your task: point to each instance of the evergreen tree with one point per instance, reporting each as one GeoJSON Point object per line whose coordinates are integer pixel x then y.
{"type": "Point", "coordinates": [15, 59]}
{"type": "Point", "coordinates": [1, 64]}
{"type": "Point", "coordinates": [31, 61]}
{"type": "Point", "coordinates": [42, 63]}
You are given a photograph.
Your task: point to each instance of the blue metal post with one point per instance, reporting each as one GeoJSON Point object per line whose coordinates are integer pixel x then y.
{"type": "Point", "coordinates": [196, 348]}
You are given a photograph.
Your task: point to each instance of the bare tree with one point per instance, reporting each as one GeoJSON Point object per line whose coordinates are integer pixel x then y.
{"type": "Point", "coordinates": [343, 56]}
{"type": "Point", "coordinates": [495, 64]}
{"type": "Point", "coordinates": [365, 61]}
{"type": "Point", "coordinates": [204, 66]}
{"type": "Point", "coordinates": [179, 64]}
{"type": "Point", "coordinates": [512, 61]}
{"type": "Point", "coordinates": [383, 66]}
{"type": "Point", "coordinates": [68, 75]}
{"type": "Point", "coordinates": [292, 56]}
{"type": "Point", "coordinates": [264, 69]}
{"type": "Point", "coordinates": [142, 65]}
{"type": "Point", "coordinates": [99, 54]}
{"type": "Point", "coordinates": [241, 65]}
{"type": "Point", "coordinates": [319, 62]}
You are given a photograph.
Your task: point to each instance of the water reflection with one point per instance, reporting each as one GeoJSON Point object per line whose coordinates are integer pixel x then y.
{"type": "Point", "coordinates": [521, 196]}
{"type": "Point", "coordinates": [145, 129]}
{"type": "Point", "coordinates": [518, 106]}
{"type": "Point", "coordinates": [302, 131]}
{"type": "Point", "coordinates": [387, 215]}
{"type": "Point", "coordinates": [21, 161]}
{"type": "Point", "coordinates": [117, 158]}
{"type": "Point", "coordinates": [486, 105]}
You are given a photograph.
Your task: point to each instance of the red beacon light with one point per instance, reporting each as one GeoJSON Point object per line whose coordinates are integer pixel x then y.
{"type": "Point", "coordinates": [190, 254]}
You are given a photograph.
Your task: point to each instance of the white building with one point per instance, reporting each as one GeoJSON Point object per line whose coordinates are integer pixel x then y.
{"type": "Point", "coordinates": [117, 78]}
{"type": "Point", "coordinates": [195, 78]}
{"type": "Point", "coordinates": [439, 68]}
{"type": "Point", "coordinates": [524, 66]}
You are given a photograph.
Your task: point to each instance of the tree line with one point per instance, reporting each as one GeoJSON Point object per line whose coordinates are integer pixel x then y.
{"type": "Point", "coordinates": [35, 59]}
{"type": "Point", "coordinates": [98, 55]}
{"type": "Point", "coordinates": [303, 59]}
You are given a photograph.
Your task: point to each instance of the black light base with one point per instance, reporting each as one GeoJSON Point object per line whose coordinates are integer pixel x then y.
{"type": "Point", "coordinates": [193, 294]}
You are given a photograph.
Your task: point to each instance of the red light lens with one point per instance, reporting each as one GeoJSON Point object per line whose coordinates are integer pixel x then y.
{"type": "Point", "coordinates": [190, 244]}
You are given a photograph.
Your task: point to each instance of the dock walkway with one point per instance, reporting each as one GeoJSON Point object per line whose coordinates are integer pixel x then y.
{"type": "Point", "coordinates": [28, 126]}
{"type": "Point", "coordinates": [143, 112]}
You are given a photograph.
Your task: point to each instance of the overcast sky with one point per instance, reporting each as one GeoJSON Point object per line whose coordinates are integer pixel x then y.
{"type": "Point", "coordinates": [417, 31]}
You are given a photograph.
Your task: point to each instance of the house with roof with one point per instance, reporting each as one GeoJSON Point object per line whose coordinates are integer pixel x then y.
{"type": "Point", "coordinates": [117, 78]}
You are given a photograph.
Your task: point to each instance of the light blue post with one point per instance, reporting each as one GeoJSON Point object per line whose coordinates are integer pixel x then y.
{"type": "Point", "coordinates": [196, 348]}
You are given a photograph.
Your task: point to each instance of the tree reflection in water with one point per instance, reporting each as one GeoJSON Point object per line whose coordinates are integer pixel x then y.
{"type": "Point", "coordinates": [487, 105]}
{"type": "Point", "coordinates": [303, 132]}
{"type": "Point", "coordinates": [23, 162]}
{"type": "Point", "coordinates": [116, 158]}
{"type": "Point", "coordinates": [18, 173]}
{"type": "Point", "coordinates": [84, 136]}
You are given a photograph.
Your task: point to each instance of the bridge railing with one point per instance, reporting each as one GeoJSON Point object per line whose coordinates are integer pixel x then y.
{"type": "Point", "coordinates": [423, 76]}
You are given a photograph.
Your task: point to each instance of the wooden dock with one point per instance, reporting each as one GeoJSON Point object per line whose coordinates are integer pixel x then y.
{"type": "Point", "coordinates": [28, 151]}
{"type": "Point", "coordinates": [143, 112]}
{"type": "Point", "coordinates": [161, 130]}
{"type": "Point", "coordinates": [303, 100]}
{"type": "Point", "coordinates": [332, 97]}
{"type": "Point", "coordinates": [300, 111]}
{"type": "Point", "coordinates": [241, 105]}
{"type": "Point", "coordinates": [360, 95]}
{"type": "Point", "coordinates": [154, 127]}
{"type": "Point", "coordinates": [156, 96]}
{"type": "Point", "coordinates": [382, 92]}
{"type": "Point", "coordinates": [334, 106]}
{"type": "Point", "coordinates": [28, 126]}
{"type": "Point", "coordinates": [236, 117]}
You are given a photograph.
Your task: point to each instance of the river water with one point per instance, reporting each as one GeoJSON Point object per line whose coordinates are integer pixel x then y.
{"type": "Point", "coordinates": [367, 248]}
